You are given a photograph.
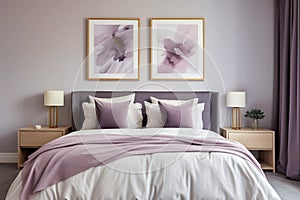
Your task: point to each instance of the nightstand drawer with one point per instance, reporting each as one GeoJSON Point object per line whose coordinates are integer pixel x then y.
{"type": "Point", "coordinates": [253, 140]}
{"type": "Point", "coordinates": [37, 139]}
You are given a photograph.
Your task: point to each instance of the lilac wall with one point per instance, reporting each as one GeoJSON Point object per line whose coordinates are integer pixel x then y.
{"type": "Point", "coordinates": [42, 46]}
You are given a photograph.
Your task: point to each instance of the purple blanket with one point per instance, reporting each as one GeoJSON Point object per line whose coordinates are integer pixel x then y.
{"type": "Point", "coordinates": [65, 157]}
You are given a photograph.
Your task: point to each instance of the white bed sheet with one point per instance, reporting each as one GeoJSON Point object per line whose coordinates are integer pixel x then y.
{"type": "Point", "coordinates": [184, 175]}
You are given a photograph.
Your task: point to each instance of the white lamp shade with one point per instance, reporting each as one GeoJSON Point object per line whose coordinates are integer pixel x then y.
{"type": "Point", "coordinates": [236, 99]}
{"type": "Point", "coordinates": [54, 98]}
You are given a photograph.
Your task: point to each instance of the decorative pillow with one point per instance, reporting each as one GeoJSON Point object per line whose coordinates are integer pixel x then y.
{"type": "Point", "coordinates": [90, 118]}
{"type": "Point", "coordinates": [154, 117]}
{"type": "Point", "coordinates": [134, 118]}
{"type": "Point", "coordinates": [114, 99]}
{"type": "Point", "coordinates": [173, 102]}
{"type": "Point", "coordinates": [112, 115]}
{"type": "Point", "coordinates": [177, 116]}
{"type": "Point", "coordinates": [197, 116]}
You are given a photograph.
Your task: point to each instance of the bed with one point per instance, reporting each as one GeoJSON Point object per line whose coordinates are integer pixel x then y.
{"type": "Point", "coordinates": [163, 163]}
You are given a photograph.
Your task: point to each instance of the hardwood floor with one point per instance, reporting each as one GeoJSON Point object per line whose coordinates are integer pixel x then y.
{"type": "Point", "coordinates": [287, 189]}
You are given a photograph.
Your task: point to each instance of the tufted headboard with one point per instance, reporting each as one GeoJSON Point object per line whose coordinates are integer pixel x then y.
{"type": "Point", "coordinates": [210, 113]}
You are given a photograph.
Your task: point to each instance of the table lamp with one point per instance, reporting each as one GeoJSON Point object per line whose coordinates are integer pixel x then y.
{"type": "Point", "coordinates": [236, 100]}
{"type": "Point", "coordinates": [53, 99]}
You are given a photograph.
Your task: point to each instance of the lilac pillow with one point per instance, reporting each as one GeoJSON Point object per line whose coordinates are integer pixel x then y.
{"type": "Point", "coordinates": [112, 115]}
{"type": "Point", "coordinates": [177, 116]}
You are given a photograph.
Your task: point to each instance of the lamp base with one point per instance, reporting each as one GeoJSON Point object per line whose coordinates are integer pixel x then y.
{"type": "Point", "coordinates": [236, 122]}
{"type": "Point", "coordinates": [53, 116]}
{"type": "Point", "coordinates": [236, 128]}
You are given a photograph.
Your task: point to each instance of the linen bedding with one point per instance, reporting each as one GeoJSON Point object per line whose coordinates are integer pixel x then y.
{"type": "Point", "coordinates": [177, 175]}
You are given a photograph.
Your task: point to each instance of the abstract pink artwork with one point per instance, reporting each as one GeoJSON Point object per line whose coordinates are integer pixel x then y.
{"type": "Point", "coordinates": [113, 49]}
{"type": "Point", "coordinates": [177, 49]}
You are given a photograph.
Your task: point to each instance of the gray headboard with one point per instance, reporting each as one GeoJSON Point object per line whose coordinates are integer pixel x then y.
{"type": "Point", "coordinates": [210, 113]}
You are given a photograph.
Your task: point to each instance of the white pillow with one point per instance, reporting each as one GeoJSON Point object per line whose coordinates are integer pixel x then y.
{"type": "Point", "coordinates": [197, 116]}
{"type": "Point", "coordinates": [90, 118]}
{"type": "Point", "coordinates": [114, 99]}
{"type": "Point", "coordinates": [134, 118]}
{"type": "Point", "coordinates": [154, 117]}
{"type": "Point", "coordinates": [172, 102]}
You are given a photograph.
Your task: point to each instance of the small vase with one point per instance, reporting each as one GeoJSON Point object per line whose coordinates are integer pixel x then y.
{"type": "Point", "coordinates": [255, 123]}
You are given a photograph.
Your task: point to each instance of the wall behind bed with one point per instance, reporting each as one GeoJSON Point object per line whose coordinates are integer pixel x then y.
{"type": "Point", "coordinates": [42, 46]}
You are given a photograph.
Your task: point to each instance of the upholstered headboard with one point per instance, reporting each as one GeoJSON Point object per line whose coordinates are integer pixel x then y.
{"type": "Point", "coordinates": [210, 113]}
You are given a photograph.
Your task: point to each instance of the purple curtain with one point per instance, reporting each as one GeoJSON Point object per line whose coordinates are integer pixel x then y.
{"type": "Point", "coordinates": [287, 86]}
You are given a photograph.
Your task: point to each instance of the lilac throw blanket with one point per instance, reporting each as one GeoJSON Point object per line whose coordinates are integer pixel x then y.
{"type": "Point", "coordinates": [65, 157]}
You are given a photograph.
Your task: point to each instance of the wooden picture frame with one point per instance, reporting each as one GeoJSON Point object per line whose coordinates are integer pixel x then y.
{"type": "Point", "coordinates": [177, 48]}
{"type": "Point", "coordinates": [113, 49]}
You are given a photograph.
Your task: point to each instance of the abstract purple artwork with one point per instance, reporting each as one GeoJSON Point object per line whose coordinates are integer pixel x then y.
{"type": "Point", "coordinates": [113, 49]}
{"type": "Point", "coordinates": [177, 49]}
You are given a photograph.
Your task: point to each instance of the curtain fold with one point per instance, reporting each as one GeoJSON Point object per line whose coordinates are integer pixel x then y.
{"type": "Point", "coordinates": [287, 86]}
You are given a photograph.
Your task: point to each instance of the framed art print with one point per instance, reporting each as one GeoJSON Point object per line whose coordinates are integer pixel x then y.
{"type": "Point", "coordinates": [177, 49]}
{"type": "Point", "coordinates": [112, 48]}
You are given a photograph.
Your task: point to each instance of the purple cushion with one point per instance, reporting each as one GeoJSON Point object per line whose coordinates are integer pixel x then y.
{"type": "Point", "coordinates": [177, 116]}
{"type": "Point", "coordinates": [112, 115]}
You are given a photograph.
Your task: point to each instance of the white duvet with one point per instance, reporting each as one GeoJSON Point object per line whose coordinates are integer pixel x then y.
{"type": "Point", "coordinates": [185, 175]}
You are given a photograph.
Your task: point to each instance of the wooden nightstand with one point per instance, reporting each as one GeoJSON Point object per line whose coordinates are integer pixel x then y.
{"type": "Point", "coordinates": [261, 140]}
{"type": "Point", "coordinates": [30, 139]}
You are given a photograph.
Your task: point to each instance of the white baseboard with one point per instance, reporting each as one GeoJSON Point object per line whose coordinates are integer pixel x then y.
{"type": "Point", "coordinates": [8, 157]}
